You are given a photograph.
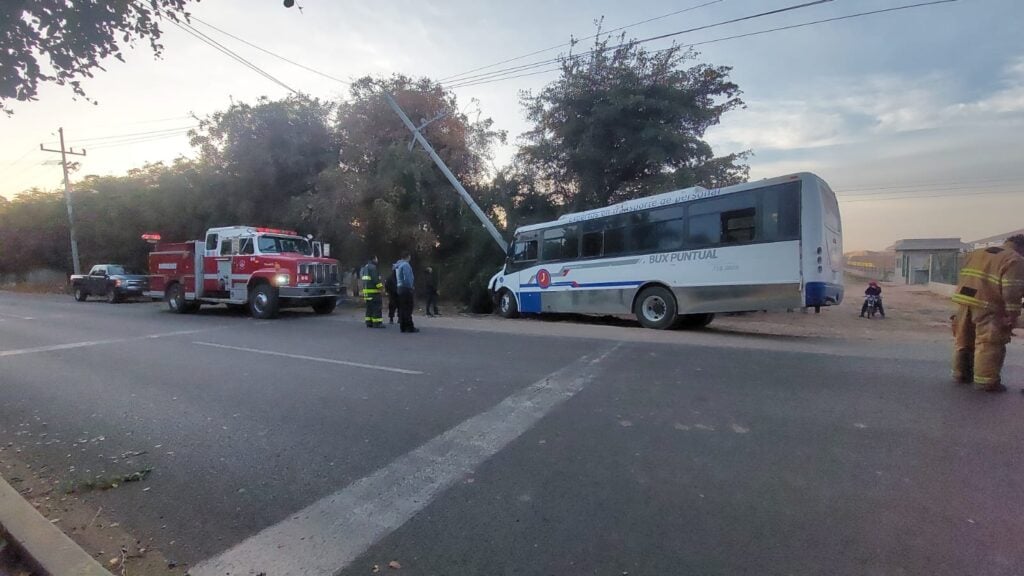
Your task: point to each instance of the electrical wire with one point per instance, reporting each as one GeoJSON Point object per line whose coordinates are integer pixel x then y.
{"type": "Point", "coordinates": [652, 38]}
{"type": "Point", "coordinates": [228, 52]}
{"type": "Point", "coordinates": [455, 77]}
{"type": "Point", "coordinates": [499, 75]}
{"type": "Point", "coordinates": [131, 134]}
{"type": "Point", "coordinates": [140, 140]}
{"type": "Point", "coordinates": [928, 190]}
{"type": "Point", "coordinates": [942, 183]}
{"type": "Point", "coordinates": [953, 196]}
{"type": "Point", "coordinates": [275, 55]}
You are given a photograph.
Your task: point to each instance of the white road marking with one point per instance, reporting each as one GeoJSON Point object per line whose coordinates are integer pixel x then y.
{"type": "Point", "coordinates": [17, 316]}
{"type": "Point", "coordinates": [86, 344]}
{"type": "Point", "coordinates": [311, 358]}
{"type": "Point", "coordinates": [328, 535]}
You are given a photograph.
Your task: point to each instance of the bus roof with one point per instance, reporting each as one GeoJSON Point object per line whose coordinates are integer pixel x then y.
{"type": "Point", "coordinates": [663, 199]}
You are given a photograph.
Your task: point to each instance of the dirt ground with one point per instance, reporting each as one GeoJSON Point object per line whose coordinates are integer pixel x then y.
{"type": "Point", "coordinates": [70, 507]}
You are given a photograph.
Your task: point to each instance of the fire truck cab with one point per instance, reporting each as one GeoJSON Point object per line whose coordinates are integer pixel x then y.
{"type": "Point", "coordinates": [263, 269]}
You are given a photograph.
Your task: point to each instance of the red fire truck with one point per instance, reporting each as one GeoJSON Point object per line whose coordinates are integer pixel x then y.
{"type": "Point", "coordinates": [264, 269]}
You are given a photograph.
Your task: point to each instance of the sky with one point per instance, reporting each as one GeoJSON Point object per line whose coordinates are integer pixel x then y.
{"type": "Point", "coordinates": [914, 117]}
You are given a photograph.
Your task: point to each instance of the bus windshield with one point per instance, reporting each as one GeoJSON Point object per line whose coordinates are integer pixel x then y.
{"type": "Point", "coordinates": [283, 244]}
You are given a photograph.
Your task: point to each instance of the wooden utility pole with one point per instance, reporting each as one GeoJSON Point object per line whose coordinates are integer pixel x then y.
{"type": "Point", "coordinates": [67, 196]}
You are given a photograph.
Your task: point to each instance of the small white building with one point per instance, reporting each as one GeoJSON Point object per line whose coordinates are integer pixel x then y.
{"type": "Point", "coordinates": [928, 260]}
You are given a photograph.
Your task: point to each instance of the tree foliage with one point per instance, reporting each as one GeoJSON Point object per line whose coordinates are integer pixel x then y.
{"type": "Point", "coordinates": [619, 123]}
{"type": "Point", "coordinates": [622, 122]}
{"type": "Point", "coordinates": [74, 37]}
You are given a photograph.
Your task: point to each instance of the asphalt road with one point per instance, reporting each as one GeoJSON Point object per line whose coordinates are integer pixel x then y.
{"type": "Point", "coordinates": [312, 445]}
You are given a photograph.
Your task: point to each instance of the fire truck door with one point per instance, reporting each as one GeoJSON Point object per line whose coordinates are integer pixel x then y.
{"type": "Point", "coordinates": [224, 265]}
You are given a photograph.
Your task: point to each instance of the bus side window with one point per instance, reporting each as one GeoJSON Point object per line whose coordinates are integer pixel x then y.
{"type": "Point", "coordinates": [738, 226]}
{"type": "Point", "coordinates": [593, 244]}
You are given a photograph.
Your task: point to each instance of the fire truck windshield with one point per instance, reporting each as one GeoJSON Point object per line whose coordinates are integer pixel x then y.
{"type": "Point", "coordinates": [282, 244]}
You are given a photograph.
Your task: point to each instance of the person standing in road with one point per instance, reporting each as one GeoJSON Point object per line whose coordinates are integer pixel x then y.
{"type": "Point", "coordinates": [391, 289]}
{"type": "Point", "coordinates": [372, 294]}
{"type": "Point", "coordinates": [989, 298]}
{"type": "Point", "coordinates": [406, 286]}
{"type": "Point", "coordinates": [432, 293]}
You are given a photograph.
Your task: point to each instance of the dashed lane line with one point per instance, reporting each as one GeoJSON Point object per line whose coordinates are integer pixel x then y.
{"type": "Point", "coordinates": [330, 534]}
{"type": "Point", "coordinates": [311, 358]}
{"type": "Point", "coordinates": [89, 343]}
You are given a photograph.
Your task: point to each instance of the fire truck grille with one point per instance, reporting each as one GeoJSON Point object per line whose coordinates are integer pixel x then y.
{"type": "Point", "coordinates": [320, 274]}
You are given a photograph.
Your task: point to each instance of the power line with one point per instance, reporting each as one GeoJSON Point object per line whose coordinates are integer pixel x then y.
{"type": "Point", "coordinates": [956, 196]}
{"type": "Point", "coordinates": [140, 140]}
{"type": "Point", "coordinates": [940, 183]}
{"type": "Point", "coordinates": [500, 75]}
{"type": "Point", "coordinates": [653, 38]}
{"type": "Point", "coordinates": [131, 134]}
{"type": "Point", "coordinates": [928, 190]}
{"type": "Point", "coordinates": [228, 52]}
{"type": "Point", "coordinates": [455, 77]}
{"type": "Point", "coordinates": [275, 55]}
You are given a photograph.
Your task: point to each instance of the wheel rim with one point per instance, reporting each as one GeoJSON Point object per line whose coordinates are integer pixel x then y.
{"type": "Point", "coordinates": [654, 308]}
{"type": "Point", "coordinates": [78, 293]}
{"type": "Point", "coordinates": [260, 301]}
{"type": "Point", "coordinates": [173, 302]}
{"type": "Point", "coordinates": [506, 303]}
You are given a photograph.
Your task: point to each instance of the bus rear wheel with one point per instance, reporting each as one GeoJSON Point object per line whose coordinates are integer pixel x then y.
{"type": "Point", "coordinates": [656, 308]}
{"type": "Point", "coordinates": [507, 306]}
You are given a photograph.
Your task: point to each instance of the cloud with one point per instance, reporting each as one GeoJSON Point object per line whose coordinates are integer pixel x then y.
{"type": "Point", "coordinates": [847, 110]}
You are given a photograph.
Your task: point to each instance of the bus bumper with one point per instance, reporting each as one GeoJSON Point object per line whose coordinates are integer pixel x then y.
{"type": "Point", "coordinates": [822, 294]}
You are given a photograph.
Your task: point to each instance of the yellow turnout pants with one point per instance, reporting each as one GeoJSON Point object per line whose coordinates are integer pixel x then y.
{"type": "Point", "coordinates": [979, 345]}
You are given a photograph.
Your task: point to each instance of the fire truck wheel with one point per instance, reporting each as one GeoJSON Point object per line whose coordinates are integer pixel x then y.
{"type": "Point", "coordinates": [176, 299]}
{"type": "Point", "coordinates": [263, 302]}
{"type": "Point", "coordinates": [325, 306]}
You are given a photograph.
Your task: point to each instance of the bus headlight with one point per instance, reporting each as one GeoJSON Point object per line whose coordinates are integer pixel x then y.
{"type": "Point", "coordinates": [281, 279]}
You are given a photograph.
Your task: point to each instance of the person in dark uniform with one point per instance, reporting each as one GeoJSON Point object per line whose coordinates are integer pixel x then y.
{"type": "Point", "coordinates": [391, 289]}
{"type": "Point", "coordinates": [372, 294]}
{"type": "Point", "coordinates": [432, 293]}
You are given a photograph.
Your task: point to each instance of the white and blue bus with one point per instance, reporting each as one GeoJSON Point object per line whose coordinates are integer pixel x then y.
{"type": "Point", "coordinates": [676, 259]}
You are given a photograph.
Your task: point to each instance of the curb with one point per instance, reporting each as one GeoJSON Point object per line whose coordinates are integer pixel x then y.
{"type": "Point", "coordinates": [40, 542]}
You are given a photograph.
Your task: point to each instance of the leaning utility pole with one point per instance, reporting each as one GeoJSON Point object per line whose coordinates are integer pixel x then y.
{"type": "Point", "coordinates": [448, 173]}
{"type": "Point", "coordinates": [67, 196]}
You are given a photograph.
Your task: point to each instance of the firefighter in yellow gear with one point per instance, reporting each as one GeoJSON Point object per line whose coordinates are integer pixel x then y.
{"type": "Point", "coordinates": [372, 294]}
{"type": "Point", "coordinates": [989, 304]}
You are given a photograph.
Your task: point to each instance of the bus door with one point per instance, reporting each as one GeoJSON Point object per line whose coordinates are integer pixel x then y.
{"type": "Point", "coordinates": [522, 259]}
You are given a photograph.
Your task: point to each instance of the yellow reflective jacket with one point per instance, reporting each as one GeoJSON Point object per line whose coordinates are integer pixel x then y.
{"type": "Point", "coordinates": [993, 279]}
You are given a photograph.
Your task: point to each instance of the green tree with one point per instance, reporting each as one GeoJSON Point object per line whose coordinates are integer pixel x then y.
{"type": "Point", "coordinates": [74, 37]}
{"type": "Point", "coordinates": [264, 155]}
{"type": "Point", "coordinates": [622, 122]}
{"type": "Point", "coordinates": [388, 198]}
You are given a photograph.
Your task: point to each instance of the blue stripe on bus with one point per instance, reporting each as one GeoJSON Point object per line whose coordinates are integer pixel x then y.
{"type": "Point", "coordinates": [587, 285]}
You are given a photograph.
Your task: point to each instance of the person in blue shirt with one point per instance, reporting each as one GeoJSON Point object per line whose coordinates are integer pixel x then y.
{"type": "Point", "coordinates": [406, 287]}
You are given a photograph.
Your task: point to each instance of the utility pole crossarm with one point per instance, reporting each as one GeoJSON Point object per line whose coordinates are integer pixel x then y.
{"type": "Point", "coordinates": [418, 136]}
{"type": "Point", "coordinates": [67, 196]}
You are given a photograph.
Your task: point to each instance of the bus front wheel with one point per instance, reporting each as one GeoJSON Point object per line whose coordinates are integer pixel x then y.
{"type": "Point", "coordinates": [656, 308]}
{"type": "Point", "coordinates": [507, 306]}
